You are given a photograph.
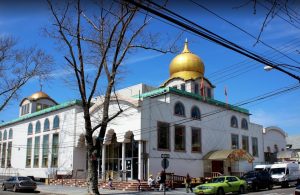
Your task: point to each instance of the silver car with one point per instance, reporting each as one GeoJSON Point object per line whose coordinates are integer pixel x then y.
{"type": "Point", "coordinates": [19, 183]}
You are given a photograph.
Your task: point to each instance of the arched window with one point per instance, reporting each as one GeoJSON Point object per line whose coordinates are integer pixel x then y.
{"type": "Point", "coordinates": [30, 128]}
{"type": "Point", "coordinates": [244, 124]}
{"type": "Point", "coordinates": [275, 148]}
{"type": "Point", "coordinates": [0, 135]}
{"type": "Point", "coordinates": [10, 134]}
{"type": "Point", "coordinates": [5, 135]}
{"type": "Point", "coordinates": [56, 122]}
{"type": "Point", "coordinates": [46, 125]}
{"type": "Point", "coordinates": [234, 122]}
{"type": "Point", "coordinates": [38, 127]}
{"type": "Point", "coordinates": [195, 113]}
{"type": "Point", "coordinates": [269, 149]}
{"type": "Point", "coordinates": [179, 109]}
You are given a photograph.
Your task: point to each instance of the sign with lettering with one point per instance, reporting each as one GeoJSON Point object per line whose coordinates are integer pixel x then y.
{"type": "Point", "coordinates": [165, 155]}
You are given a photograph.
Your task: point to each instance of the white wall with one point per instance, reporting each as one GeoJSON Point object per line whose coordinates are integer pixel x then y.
{"type": "Point", "coordinates": [215, 129]}
{"type": "Point", "coordinates": [274, 135]}
{"type": "Point", "coordinates": [19, 148]}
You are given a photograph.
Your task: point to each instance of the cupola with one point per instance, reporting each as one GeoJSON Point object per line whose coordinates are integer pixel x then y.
{"type": "Point", "coordinates": [186, 65]}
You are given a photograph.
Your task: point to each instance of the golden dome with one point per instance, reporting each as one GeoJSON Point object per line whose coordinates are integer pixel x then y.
{"type": "Point", "coordinates": [38, 95]}
{"type": "Point", "coordinates": [186, 65]}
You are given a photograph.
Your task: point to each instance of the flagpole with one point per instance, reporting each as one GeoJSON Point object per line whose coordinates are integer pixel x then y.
{"type": "Point", "coordinates": [202, 89]}
{"type": "Point", "coordinates": [226, 95]}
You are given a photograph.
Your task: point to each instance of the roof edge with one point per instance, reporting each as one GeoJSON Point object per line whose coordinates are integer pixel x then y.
{"type": "Point", "coordinates": [165, 90]}
{"type": "Point", "coordinates": [41, 112]}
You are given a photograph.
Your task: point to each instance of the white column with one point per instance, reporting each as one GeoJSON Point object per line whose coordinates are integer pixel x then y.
{"type": "Point", "coordinates": [103, 161]}
{"type": "Point", "coordinates": [140, 163]}
{"type": "Point", "coordinates": [123, 161]}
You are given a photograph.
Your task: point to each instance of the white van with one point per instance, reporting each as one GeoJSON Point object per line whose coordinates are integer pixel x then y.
{"type": "Point", "coordinates": [285, 173]}
{"type": "Point", "coordinates": [262, 168]}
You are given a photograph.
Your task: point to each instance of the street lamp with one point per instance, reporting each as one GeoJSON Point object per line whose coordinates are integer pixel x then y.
{"type": "Point", "coordinates": [268, 68]}
{"type": "Point", "coordinates": [277, 67]}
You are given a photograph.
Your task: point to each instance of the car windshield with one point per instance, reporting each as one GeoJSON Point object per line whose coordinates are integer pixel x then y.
{"type": "Point", "coordinates": [24, 179]}
{"type": "Point", "coordinates": [277, 170]}
{"type": "Point", "coordinates": [217, 180]}
{"type": "Point", "coordinates": [248, 175]}
{"type": "Point", "coordinates": [259, 169]}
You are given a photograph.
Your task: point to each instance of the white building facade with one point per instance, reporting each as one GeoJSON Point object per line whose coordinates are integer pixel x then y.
{"type": "Point", "coordinates": [181, 118]}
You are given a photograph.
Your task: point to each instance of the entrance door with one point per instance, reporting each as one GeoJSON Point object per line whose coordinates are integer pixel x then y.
{"type": "Point", "coordinates": [217, 166]}
{"type": "Point", "coordinates": [128, 165]}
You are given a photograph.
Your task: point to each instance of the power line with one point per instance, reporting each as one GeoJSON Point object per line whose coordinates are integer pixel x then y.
{"type": "Point", "coordinates": [286, 48]}
{"type": "Point", "coordinates": [224, 76]}
{"type": "Point", "coordinates": [209, 35]}
{"type": "Point", "coordinates": [264, 6]}
{"type": "Point", "coordinates": [243, 30]}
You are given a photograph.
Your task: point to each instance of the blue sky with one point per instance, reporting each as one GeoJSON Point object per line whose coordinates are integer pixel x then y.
{"type": "Point", "coordinates": [25, 21]}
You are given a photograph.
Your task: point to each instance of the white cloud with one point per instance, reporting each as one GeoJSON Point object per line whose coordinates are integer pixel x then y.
{"type": "Point", "coordinates": [66, 72]}
{"type": "Point", "coordinates": [143, 58]}
{"type": "Point", "coordinates": [287, 120]}
{"type": "Point", "coordinates": [12, 21]}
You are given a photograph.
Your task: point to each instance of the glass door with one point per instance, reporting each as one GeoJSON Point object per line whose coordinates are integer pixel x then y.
{"type": "Point", "coordinates": [128, 165]}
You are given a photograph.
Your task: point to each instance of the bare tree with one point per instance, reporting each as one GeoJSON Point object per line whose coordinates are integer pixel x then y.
{"type": "Point", "coordinates": [283, 9]}
{"type": "Point", "coordinates": [17, 67]}
{"type": "Point", "coordinates": [99, 38]}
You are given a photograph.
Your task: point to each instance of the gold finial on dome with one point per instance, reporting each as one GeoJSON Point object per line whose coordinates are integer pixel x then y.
{"type": "Point", "coordinates": [186, 47]}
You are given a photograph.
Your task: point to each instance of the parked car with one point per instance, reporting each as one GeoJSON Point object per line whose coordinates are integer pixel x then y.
{"type": "Point", "coordinates": [258, 180]}
{"type": "Point", "coordinates": [221, 185]}
{"type": "Point", "coordinates": [285, 173]}
{"type": "Point", "coordinates": [19, 183]}
{"type": "Point", "coordinates": [297, 190]}
{"type": "Point", "coordinates": [262, 168]}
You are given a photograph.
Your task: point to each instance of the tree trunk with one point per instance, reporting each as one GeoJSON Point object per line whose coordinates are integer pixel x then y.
{"type": "Point", "coordinates": [92, 177]}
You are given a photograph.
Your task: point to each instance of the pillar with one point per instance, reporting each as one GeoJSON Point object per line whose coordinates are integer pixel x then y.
{"type": "Point", "coordinates": [123, 161]}
{"type": "Point", "coordinates": [103, 161]}
{"type": "Point", "coordinates": [140, 162]}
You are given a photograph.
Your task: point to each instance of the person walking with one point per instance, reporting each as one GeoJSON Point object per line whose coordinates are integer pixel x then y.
{"type": "Point", "coordinates": [151, 181]}
{"type": "Point", "coordinates": [188, 181]}
{"type": "Point", "coordinates": [139, 187]}
{"type": "Point", "coordinates": [162, 181]}
{"type": "Point", "coordinates": [110, 183]}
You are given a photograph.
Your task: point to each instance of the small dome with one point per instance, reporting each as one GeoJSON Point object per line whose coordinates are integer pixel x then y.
{"type": "Point", "coordinates": [38, 95]}
{"type": "Point", "coordinates": [186, 65]}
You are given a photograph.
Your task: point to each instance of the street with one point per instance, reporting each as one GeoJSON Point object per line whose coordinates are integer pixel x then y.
{"type": "Point", "coordinates": [275, 191]}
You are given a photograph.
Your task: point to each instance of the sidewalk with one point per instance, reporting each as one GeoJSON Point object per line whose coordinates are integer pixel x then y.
{"type": "Point", "coordinates": [66, 190]}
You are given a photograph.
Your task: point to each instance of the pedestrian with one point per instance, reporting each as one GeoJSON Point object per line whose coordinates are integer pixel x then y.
{"type": "Point", "coordinates": [188, 185]}
{"type": "Point", "coordinates": [139, 187]}
{"type": "Point", "coordinates": [110, 185]}
{"type": "Point", "coordinates": [151, 181]}
{"type": "Point", "coordinates": [162, 181]}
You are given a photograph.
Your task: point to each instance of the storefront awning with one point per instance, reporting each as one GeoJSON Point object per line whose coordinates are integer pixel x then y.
{"type": "Point", "coordinates": [288, 154]}
{"type": "Point", "coordinates": [234, 154]}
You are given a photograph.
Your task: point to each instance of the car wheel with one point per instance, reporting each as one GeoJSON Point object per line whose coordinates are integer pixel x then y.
{"type": "Point", "coordinates": [285, 185]}
{"type": "Point", "coordinates": [220, 191]}
{"type": "Point", "coordinates": [254, 187]}
{"type": "Point", "coordinates": [242, 190]}
{"type": "Point", "coordinates": [3, 187]}
{"type": "Point", "coordinates": [15, 188]}
{"type": "Point", "coordinates": [270, 187]}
